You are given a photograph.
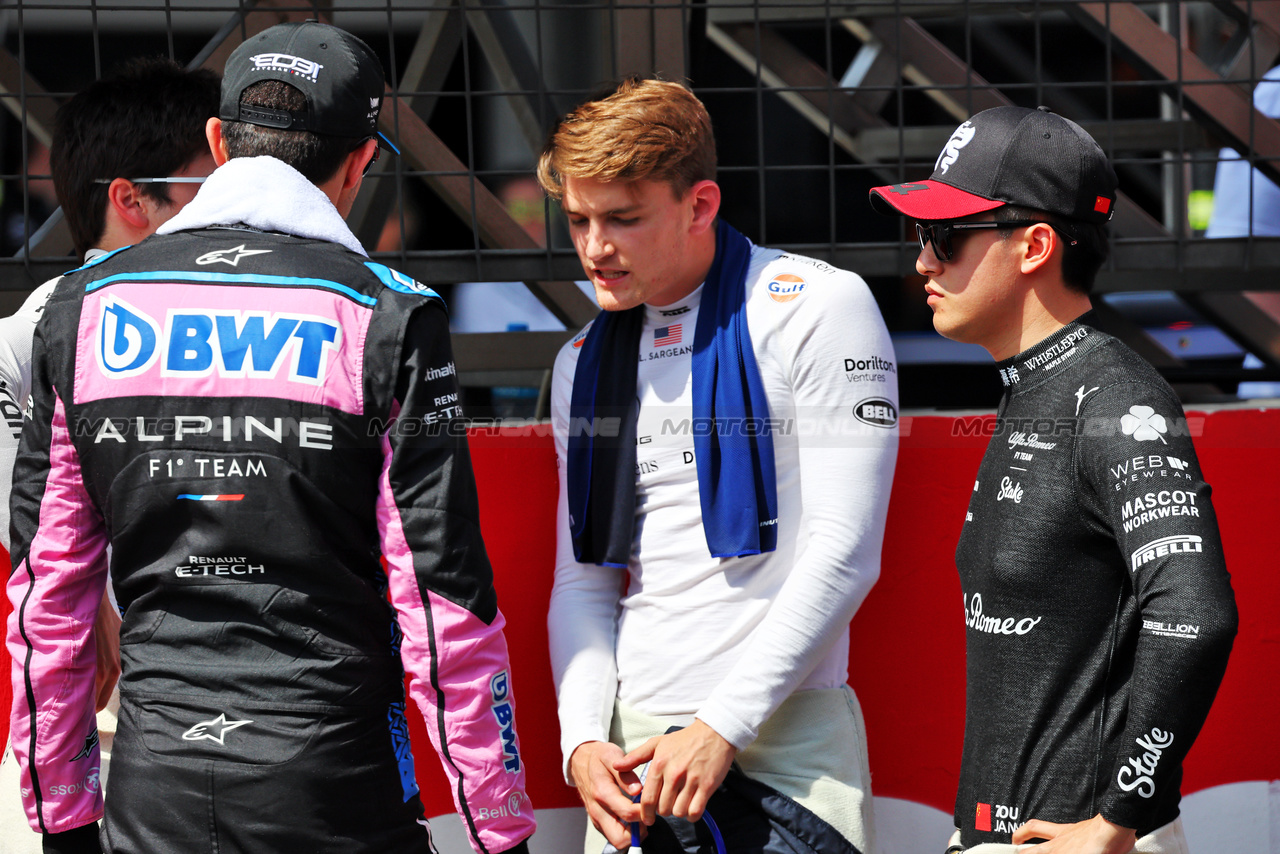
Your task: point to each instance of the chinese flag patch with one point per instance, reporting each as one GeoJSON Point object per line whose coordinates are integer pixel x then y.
{"type": "Point", "coordinates": [1102, 204]}
{"type": "Point", "coordinates": [983, 819]}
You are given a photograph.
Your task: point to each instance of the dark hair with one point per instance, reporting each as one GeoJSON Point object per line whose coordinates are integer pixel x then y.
{"type": "Point", "coordinates": [145, 120]}
{"type": "Point", "coordinates": [315, 155]}
{"type": "Point", "coordinates": [1081, 261]}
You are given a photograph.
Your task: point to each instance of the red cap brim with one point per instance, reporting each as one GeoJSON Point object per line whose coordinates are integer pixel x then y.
{"type": "Point", "coordinates": [928, 200]}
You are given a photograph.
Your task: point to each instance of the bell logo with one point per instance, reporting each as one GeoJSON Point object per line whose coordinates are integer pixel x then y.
{"type": "Point", "coordinates": [785, 287]}
{"type": "Point", "coordinates": [126, 339]}
{"type": "Point", "coordinates": [876, 411]}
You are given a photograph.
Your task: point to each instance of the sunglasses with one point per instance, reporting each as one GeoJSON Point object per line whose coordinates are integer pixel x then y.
{"type": "Point", "coordinates": [938, 234]}
{"type": "Point", "coordinates": [153, 180]}
{"type": "Point", "coordinates": [377, 152]}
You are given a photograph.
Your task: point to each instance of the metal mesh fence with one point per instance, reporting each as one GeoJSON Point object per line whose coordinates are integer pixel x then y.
{"type": "Point", "coordinates": [813, 101]}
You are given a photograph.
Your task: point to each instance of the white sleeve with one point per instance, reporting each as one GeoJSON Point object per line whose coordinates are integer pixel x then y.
{"type": "Point", "coordinates": [16, 334]}
{"type": "Point", "coordinates": [846, 471]}
{"type": "Point", "coordinates": [582, 621]}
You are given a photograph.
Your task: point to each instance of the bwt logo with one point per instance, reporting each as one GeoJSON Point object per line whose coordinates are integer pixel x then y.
{"type": "Point", "coordinates": [500, 689]}
{"type": "Point", "coordinates": [196, 343]}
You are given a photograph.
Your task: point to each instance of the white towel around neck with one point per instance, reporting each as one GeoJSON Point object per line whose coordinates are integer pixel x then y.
{"type": "Point", "coordinates": [268, 194]}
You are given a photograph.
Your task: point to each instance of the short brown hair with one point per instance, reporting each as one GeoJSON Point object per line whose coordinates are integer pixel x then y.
{"type": "Point", "coordinates": [647, 129]}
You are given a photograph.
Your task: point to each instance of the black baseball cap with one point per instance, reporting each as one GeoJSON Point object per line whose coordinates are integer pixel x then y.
{"type": "Point", "coordinates": [339, 74]}
{"type": "Point", "coordinates": [1010, 156]}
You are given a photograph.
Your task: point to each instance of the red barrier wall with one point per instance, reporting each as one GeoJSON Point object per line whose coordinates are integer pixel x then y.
{"type": "Point", "coordinates": [907, 662]}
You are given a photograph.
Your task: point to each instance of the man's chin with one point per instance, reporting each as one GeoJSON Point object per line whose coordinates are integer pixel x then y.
{"type": "Point", "coordinates": [614, 301]}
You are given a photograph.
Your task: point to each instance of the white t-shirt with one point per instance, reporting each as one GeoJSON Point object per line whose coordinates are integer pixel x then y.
{"type": "Point", "coordinates": [16, 333]}
{"type": "Point", "coordinates": [684, 634]}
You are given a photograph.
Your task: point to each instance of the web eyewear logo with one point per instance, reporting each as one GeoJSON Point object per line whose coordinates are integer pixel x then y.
{"type": "Point", "coordinates": [285, 62]}
{"type": "Point", "coordinates": [961, 137]}
{"type": "Point", "coordinates": [199, 343]}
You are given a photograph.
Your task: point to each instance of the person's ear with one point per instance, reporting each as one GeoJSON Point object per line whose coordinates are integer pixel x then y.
{"type": "Point", "coordinates": [125, 198]}
{"type": "Point", "coordinates": [1038, 243]}
{"type": "Point", "coordinates": [343, 194]}
{"type": "Point", "coordinates": [705, 198]}
{"type": "Point", "coordinates": [356, 162]}
{"type": "Point", "coordinates": [217, 145]}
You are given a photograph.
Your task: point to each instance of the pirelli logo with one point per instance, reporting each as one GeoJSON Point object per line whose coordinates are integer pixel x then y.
{"type": "Point", "coordinates": [1177, 544]}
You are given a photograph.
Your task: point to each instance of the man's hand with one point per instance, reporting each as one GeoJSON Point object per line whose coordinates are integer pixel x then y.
{"type": "Point", "coordinates": [605, 791]}
{"type": "Point", "coordinates": [106, 637]}
{"type": "Point", "coordinates": [1095, 836]}
{"type": "Point", "coordinates": [685, 769]}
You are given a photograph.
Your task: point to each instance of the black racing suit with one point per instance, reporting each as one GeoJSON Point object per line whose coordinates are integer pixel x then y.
{"type": "Point", "coordinates": [1099, 610]}
{"type": "Point", "coordinates": [254, 421]}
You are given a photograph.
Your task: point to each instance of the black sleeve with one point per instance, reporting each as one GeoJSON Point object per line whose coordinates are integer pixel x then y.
{"type": "Point", "coordinates": [80, 840]}
{"type": "Point", "coordinates": [1144, 475]}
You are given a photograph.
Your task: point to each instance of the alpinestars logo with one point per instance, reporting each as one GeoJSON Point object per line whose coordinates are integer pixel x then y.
{"type": "Point", "coordinates": [962, 136]}
{"type": "Point", "coordinates": [296, 65]}
{"type": "Point", "coordinates": [90, 742]}
{"type": "Point", "coordinates": [220, 256]}
{"type": "Point", "coordinates": [214, 730]}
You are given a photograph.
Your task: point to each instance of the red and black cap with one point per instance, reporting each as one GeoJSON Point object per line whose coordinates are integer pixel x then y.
{"type": "Point", "coordinates": [339, 74]}
{"type": "Point", "coordinates": [1010, 156]}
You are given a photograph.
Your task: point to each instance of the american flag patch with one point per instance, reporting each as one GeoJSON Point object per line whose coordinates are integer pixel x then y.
{"type": "Point", "coordinates": [665, 336]}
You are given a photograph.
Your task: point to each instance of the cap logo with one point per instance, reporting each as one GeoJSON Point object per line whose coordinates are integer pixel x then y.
{"type": "Point", "coordinates": [291, 64]}
{"type": "Point", "coordinates": [951, 151]}
{"type": "Point", "coordinates": [1102, 204]}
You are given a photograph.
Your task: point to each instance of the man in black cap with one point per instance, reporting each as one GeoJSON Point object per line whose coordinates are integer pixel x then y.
{"type": "Point", "coordinates": [1099, 610]}
{"type": "Point", "coordinates": [253, 415]}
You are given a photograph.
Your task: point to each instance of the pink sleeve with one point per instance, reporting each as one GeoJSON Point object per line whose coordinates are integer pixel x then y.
{"type": "Point", "coordinates": [441, 585]}
{"type": "Point", "coordinates": [59, 573]}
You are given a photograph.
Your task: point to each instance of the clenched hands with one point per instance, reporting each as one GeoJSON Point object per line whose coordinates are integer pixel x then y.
{"type": "Point", "coordinates": [685, 768]}
{"type": "Point", "coordinates": [605, 791]}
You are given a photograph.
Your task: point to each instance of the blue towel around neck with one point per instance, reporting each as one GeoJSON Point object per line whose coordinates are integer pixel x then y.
{"type": "Point", "coordinates": [737, 484]}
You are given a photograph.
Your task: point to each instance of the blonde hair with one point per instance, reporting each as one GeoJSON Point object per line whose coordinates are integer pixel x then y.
{"type": "Point", "coordinates": [647, 129]}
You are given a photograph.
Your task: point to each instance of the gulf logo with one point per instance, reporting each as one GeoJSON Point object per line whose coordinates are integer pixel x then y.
{"type": "Point", "coordinates": [785, 287]}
